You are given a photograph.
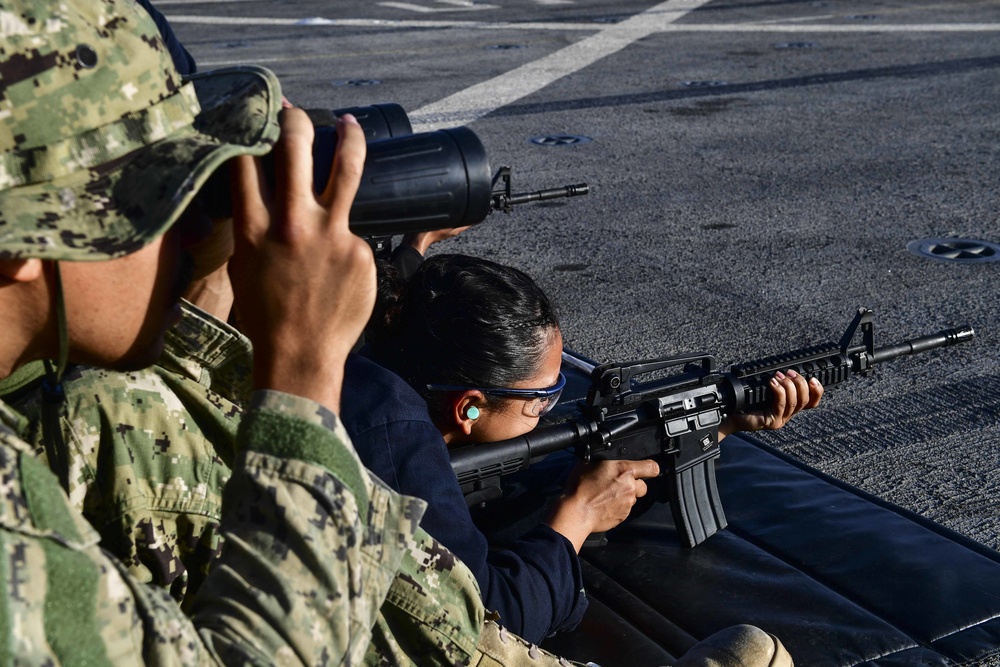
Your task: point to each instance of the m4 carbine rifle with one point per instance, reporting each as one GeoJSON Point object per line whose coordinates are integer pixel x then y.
{"type": "Point", "coordinates": [675, 420]}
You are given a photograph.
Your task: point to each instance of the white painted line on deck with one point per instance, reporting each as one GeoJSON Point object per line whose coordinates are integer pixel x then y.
{"type": "Point", "coordinates": [384, 23]}
{"type": "Point", "coordinates": [585, 27]}
{"type": "Point", "coordinates": [478, 100]}
{"type": "Point", "coordinates": [462, 7]}
{"type": "Point", "coordinates": [165, 3]}
{"type": "Point", "coordinates": [836, 27]}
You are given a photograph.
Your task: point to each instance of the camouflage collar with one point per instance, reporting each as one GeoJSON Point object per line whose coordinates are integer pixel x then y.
{"type": "Point", "coordinates": [210, 352]}
{"type": "Point", "coordinates": [13, 424]}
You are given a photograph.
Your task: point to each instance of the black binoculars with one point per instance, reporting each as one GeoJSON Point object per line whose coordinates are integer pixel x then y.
{"type": "Point", "coordinates": [411, 182]}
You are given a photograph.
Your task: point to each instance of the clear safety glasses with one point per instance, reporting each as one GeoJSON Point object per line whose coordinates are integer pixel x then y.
{"type": "Point", "coordinates": [537, 401]}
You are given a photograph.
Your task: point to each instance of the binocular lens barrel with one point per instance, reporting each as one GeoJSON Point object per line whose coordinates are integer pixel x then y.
{"type": "Point", "coordinates": [411, 182]}
{"type": "Point", "coordinates": [431, 180]}
{"type": "Point", "coordinates": [379, 121]}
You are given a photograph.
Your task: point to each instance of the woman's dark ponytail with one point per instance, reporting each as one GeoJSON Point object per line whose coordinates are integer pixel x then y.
{"type": "Point", "coordinates": [462, 321]}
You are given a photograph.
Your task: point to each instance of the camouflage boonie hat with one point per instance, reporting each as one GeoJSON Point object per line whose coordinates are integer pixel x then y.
{"type": "Point", "coordinates": [102, 144]}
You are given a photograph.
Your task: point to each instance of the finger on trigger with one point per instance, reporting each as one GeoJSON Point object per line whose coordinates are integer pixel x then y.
{"type": "Point", "coordinates": [648, 468]}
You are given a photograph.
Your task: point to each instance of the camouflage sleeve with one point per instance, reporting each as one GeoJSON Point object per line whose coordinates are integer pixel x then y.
{"type": "Point", "coordinates": [148, 452]}
{"type": "Point", "coordinates": [310, 554]}
{"type": "Point", "coordinates": [309, 559]}
{"type": "Point", "coordinates": [65, 600]}
{"type": "Point", "coordinates": [210, 352]}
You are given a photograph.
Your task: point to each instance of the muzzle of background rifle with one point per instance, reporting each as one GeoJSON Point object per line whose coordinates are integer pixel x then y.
{"type": "Point", "coordinates": [411, 182]}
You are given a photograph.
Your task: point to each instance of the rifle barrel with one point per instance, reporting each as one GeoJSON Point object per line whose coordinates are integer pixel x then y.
{"type": "Point", "coordinates": [552, 193]}
{"type": "Point", "coordinates": [945, 338]}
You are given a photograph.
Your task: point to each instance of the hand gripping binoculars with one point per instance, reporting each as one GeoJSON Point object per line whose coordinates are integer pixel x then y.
{"type": "Point", "coordinates": [411, 182]}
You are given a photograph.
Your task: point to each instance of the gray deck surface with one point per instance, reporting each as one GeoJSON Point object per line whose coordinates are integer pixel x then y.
{"type": "Point", "coordinates": [757, 170]}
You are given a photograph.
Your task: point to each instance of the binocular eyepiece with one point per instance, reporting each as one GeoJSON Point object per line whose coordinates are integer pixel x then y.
{"type": "Point", "coordinates": [411, 182]}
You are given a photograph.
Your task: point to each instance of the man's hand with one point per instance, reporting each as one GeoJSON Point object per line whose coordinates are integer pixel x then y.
{"type": "Point", "coordinates": [599, 496]}
{"type": "Point", "coordinates": [304, 284]}
{"type": "Point", "coordinates": [791, 395]}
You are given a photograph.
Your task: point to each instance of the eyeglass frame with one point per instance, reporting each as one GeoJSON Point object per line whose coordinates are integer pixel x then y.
{"type": "Point", "coordinates": [552, 393]}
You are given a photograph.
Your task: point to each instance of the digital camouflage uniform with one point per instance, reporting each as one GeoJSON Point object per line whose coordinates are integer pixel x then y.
{"type": "Point", "coordinates": [311, 557]}
{"type": "Point", "coordinates": [102, 146]}
{"type": "Point", "coordinates": [150, 451]}
{"type": "Point", "coordinates": [145, 470]}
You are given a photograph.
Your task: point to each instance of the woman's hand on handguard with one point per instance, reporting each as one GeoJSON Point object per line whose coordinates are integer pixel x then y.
{"type": "Point", "coordinates": [599, 496]}
{"type": "Point", "coordinates": [304, 283]}
{"type": "Point", "coordinates": [792, 394]}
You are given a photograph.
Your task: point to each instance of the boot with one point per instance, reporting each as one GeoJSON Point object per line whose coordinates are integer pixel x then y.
{"type": "Point", "coordinates": [499, 648]}
{"type": "Point", "coordinates": [738, 646]}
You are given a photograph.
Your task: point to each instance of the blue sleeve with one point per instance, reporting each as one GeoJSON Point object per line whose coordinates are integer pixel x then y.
{"type": "Point", "coordinates": [536, 586]}
{"type": "Point", "coordinates": [183, 60]}
{"type": "Point", "coordinates": [538, 582]}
